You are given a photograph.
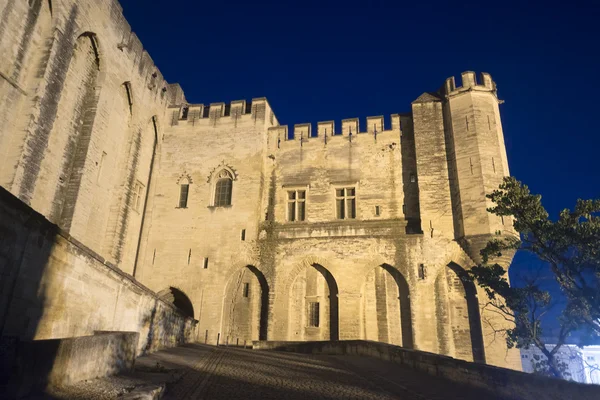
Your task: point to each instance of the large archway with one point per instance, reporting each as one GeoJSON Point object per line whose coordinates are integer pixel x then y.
{"type": "Point", "coordinates": [458, 315]}
{"type": "Point", "coordinates": [314, 309]}
{"type": "Point", "coordinates": [385, 307]}
{"type": "Point", "coordinates": [179, 299]}
{"type": "Point", "coordinates": [246, 307]}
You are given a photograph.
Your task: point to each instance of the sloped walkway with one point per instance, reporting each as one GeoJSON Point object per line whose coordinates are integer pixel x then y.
{"type": "Point", "coordinates": [198, 371]}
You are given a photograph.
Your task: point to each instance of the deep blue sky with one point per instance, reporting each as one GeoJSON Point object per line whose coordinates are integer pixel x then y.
{"type": "Point", "coordinates": [319, 61]}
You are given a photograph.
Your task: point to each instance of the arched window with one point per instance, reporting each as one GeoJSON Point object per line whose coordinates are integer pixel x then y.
{"type": "Point", "coordinates": [223, 189]}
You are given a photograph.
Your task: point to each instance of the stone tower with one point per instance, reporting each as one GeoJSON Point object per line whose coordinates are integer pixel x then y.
{"type": "Point", "coordinates": [476, 159]}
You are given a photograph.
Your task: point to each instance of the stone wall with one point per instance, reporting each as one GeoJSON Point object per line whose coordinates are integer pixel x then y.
{"type": "Point", "coordinates": [30, 366]}
{"type": "Point", "coordinates": [52, 286]}
{"type": "Point", "coordinates": [498, 381]}
{"type": "Point", "coordinates": [81, 108]}
{"type": "Point", "coordinates": [391, 273]}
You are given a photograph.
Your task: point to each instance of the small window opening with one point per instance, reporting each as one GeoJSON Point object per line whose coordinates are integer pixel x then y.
{"type": "Point", "coordinates": [404, 208]}
{"type": "Point", "coordinates": [296, 202]}
{"type": "Point", "coordinates": [502, 219]}
{"type": "Point", "coordinates": [421, 271]}
{"type": "Point", "coordinates": [183, 195]}
{"type": "Point", "coordinates": [246, 291]}
{"type": "Point", "coordinates": [184, 112]}
{"type": "Point", "coordinates": [467, 122]}
{"type": "Point", "coordinates": [243, 234]}
{"type": "Point", "coordinates": [313, 314]}
{"type": "Point", "coordinates": [129, 97]}
{"type": "Point", "coordinates": [345, 200]}
{"type": "Point", "coordinates": [189, 256]}
{"type": "Point", "coordinates": [413, 178]}
{"type": "Point", "coordinates": [489, 123]}
{"type": "Point", "coordinates": [377, 211]}
{"type": "Point", "coordinates": [205, 262]}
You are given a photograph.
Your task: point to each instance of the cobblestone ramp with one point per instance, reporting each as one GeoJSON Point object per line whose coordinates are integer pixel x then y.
{"type": "Point", "coordinates": [228, 373]}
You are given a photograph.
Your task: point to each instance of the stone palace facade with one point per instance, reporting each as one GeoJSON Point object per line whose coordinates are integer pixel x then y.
{"type": "Point", "coordinates": [352, 229]}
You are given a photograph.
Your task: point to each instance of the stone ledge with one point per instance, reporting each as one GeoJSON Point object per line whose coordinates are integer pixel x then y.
{"type": "Point", "coordinates": [499, 381]}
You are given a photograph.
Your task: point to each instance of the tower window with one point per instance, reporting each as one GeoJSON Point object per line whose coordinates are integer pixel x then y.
{"type": "Point", "coordinates": [345, 201]}
{"type": "Point", "coordinates": [243, 236]}
{"type": "Point", "coordinates": [413, 178]}
{"type": "Point", "coordinates": [377, 211]}
{"type": "Point", "coordinates": [296, 205]}
{"type": "Point", "coordinates": [184, 112]}
{"type": "Point", "coordinates": [183, 195]}
{"type": "Point", "coordinates": [313, 314]}
{"type": "Point", "coordinates": [223, 192]}
{"type": "Point", "coordinates": [205, 262]}
{"type": "Point", "coordinates": [246, 291]}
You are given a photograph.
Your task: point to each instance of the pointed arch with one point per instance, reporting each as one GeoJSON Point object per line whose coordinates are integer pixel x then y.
{"type": "Point", "coordinates": [386, 309]}
{"type": "Point", "coordinates": [179, 299]}
{"type": "Point", "coordinates": [314, 304]}
{"type": "Point", "coordinates": [25, 67]}
{"type": "Point", "coordinates": [464, 315]}
{"type": "Point", "coordinates": [246, 306]}
{"type": "Point", "coordinates": [221, 185]}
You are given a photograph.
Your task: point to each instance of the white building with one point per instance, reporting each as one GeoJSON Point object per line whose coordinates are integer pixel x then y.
{"type": "Point", "coordinates": [583, 364]}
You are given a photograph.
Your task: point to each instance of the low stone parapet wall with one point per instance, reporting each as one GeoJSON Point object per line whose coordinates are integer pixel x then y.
{"type": "Point", "coordinates": [504, 382]}
{"type": "Point", "coordinates": [33, 365]}
{"type": "Point", "coordinates": [52, 286]}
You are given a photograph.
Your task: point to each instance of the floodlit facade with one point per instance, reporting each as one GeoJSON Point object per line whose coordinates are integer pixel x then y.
{"type": "Point", "coordinates": [352, 229]}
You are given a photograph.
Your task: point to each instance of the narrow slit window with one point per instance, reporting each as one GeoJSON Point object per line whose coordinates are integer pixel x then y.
{"type": "Point", "coordinates": [413, 178]}
{"type": "Point", "coordinates": [183, 195]}
{"type": "Point", "coordinates": [243, 236]}
{"type": "Point", "coordinates": [421, 271]}
{"type": "Point", "coordinates": [345, 203]}
{"type": "Point", "coordinates": [129, 97]}
{"type": "Point", "coordinates": [205, 262]}
{"type": "Point", "coordinates": [313, 314]}
{"type": "Point", "coordinates": [296, 205]}
{"type": "Point", "coordinates": [246, 291]}
{"type": "Point", "coordinates": [377, 211]}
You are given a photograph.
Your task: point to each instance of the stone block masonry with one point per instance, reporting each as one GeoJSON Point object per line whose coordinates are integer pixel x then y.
{"type": "Point", "coordinates": [353, 229]}
{"type": "Point", "coordinates": [498, 382]}
{"type": "Point", "coordinates": [52, 286]}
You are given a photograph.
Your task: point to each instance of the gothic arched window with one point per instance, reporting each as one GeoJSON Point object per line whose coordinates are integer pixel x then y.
{"type": "Point", "coordinates": [223, 189]}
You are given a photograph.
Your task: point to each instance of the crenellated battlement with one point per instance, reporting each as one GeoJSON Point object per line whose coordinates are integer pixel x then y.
{"type": "Point", "coordinates": [469, 82]}
{"type": "Point", "coordinates": [326, 132]}
{"type": "Point", "coordinates": [183, 112]}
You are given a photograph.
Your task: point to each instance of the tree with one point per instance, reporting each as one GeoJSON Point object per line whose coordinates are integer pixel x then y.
{"type": "Point", "coordinates": [569, 246]}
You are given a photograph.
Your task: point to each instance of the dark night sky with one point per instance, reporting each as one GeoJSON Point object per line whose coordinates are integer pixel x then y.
{"type": "Point", "coordinates": [318, 61]}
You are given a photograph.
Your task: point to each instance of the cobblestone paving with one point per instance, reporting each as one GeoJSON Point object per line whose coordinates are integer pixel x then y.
{"type": "Point", "coordinates": [229, 373]}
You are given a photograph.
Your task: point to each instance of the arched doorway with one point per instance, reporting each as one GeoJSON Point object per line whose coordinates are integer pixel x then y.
{"type": "Point", "coordinates": [386, 314]}
{"type": "Point", "coordinates": [246, 307]}
{"type": "Point", "coordinates": [462, 314]}
{"type": "Point", "coordinates": [179, 299]}
{"type": "Point", "coordinates": [314, 313]}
